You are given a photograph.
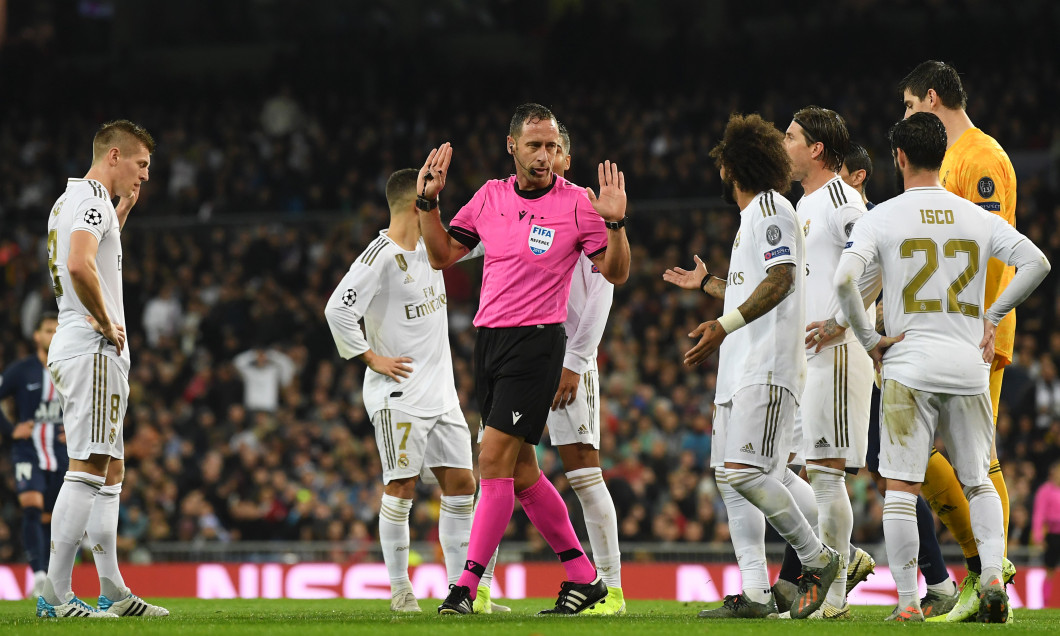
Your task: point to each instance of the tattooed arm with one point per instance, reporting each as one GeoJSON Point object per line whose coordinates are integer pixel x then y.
{"type": "Point", "coordinates": [779, 282]}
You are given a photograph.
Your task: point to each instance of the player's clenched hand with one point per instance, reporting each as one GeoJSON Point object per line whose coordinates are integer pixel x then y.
{"type": "Point", "coordinates": [23, 430]}
{"type": "Point", "coordinates": [112, 332]}
{"type": "Point", "coordinates": [988, 341]}
{"type": "Point", "coordinates": [431, 179]}
{"type": "Point", "coordinates": [687, 279]}
{"type": "Point", "coordinates": [568, 389]}
{"type": "Point", "coordinates": [611, 204]}
{"type": "Point", "coordinates": [712, 334]}
{"type": "Point", "coordinates": [822, 332]}
{"type": "Point", "coordinates": [881, 348]}
{"type": "Point", "coordinates": [393, 368]}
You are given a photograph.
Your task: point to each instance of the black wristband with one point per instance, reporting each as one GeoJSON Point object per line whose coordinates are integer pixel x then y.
{"type": "Point", "coordinates": [615, 225]}
{"type": "Point", "coordinates": [425, 204]}
{"type": "Point", "coordinates": [703, 283]}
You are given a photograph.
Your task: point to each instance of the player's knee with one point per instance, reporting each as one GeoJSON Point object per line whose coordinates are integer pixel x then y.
{"type": "Point", "coordinates": [401, 488]}
{"type": "Point", "coordinates": [459, 482]}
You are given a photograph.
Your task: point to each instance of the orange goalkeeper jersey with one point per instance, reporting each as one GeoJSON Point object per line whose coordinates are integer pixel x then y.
{"type": "Point", "coordinates": [977, 168]}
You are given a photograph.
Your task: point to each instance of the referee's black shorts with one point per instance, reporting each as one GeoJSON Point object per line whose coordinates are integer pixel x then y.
{"type": "Point", "coordinates": [517, 371]}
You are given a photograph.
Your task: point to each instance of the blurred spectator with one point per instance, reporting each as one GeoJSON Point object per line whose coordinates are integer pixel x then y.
{"type": "Point", "coordinates": [265, 373]}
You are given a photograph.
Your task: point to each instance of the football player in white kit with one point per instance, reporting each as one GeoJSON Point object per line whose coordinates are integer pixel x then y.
{"type": "Point", "coordinates": [833, 415]}
{"type": "Point", "coordinates": [574, 421]}
{"type": "Point", "coordinates": [89, 364]}
{"type": "Point", "coordinates": [761, 371]}
{"type": "Point", "coordinates": [409, 389]}
{"type": "Point", "coordinates": [933, 248]}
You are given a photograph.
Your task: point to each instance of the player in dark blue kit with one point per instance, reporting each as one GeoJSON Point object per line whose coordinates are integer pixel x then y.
{"type": "Point", "coordinates": [38, 443]}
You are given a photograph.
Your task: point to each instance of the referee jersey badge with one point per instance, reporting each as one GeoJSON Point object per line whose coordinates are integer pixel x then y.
{"type": "Point", "coordinates": [540, 239]}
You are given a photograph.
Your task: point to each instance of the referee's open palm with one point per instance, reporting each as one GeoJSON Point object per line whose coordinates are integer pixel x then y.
{"type": "Point", "coordinates": [611, 204]}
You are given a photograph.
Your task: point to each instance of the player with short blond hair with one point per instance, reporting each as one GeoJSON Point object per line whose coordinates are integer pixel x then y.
{"type": "Point", "coordinates": [89, 363]}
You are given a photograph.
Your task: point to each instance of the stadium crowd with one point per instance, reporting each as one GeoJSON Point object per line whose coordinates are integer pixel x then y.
{"type": "Point", "coordinates": [291, 455]}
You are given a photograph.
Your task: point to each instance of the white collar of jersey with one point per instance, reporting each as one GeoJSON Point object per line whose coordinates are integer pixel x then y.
{"type": "Point", "coordinates": [386, 234]}
{"type": "Point", "coordinates": [105, 191]}
{"type": "Point", "coordinates": [925, 188]}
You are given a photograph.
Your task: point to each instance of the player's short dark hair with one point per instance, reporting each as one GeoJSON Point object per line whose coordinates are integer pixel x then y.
{"type": "Point", "coordinates": [119, 133]}
{"type": "Point", "coordinates": [401, 186]}
{"type": "Point", "coordinates": [44, 317]}
{"type": "Point", "coordinates": [565, 136]}
{"type": "Point", "coordinates": [528, 113]}
{"type": "Point", "coordinates": [827, 127]}
{"type": "Point", "coordinates": [939, 76]}
{"type": "Point", "coordinates": [923, 139]}
{"type": "Point", "coordinates": [857, 158]}
{"type": "Point", "coordinates": [753, 155]}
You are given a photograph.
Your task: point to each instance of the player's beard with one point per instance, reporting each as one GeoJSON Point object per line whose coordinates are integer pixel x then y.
{"type": "Point", "coordinates": [728, 191]}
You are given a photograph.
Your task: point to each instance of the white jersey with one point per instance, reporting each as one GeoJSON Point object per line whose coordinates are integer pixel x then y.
{"type": "Point", "coordinates": [590, 301]}
{"type": "Point", "coordinates": [85, 207]}
{"type": "Point", "coordinates": [933, 247]}
{"type": "Point", "coordinates": [828, 215]}
{"type": "Point", "coordinates": [402, 299]}
{"type": "Point", "coordinates": [768, 350]}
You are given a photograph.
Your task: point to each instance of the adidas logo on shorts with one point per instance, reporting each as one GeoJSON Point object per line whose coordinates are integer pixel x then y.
{"type": "Point", "coordinates": [582, 430]}
{"type": "Point", "coordinates": [822, 443]}
{"type": "Point", "coordinates": [747, 448]}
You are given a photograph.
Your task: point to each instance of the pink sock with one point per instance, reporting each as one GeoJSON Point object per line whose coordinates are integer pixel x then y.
{"type": "Point", "coordinates": [494, 511]}
{"type": "Point", "coordinates": [548, 513]}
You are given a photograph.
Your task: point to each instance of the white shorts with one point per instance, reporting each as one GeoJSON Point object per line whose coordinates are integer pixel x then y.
{"type": "Point", "coordinates": [578, 422]}
{"type": "Point", "coordinates": [834, 413]}
{"type": "Point", "coordinates": [754, 428]}
{"type": "Point", "coordinates": [408, 444]}
{"type": "Point", "coordinates": [94, 395]}
{"type": "Point", "coordinates": [910, 421]}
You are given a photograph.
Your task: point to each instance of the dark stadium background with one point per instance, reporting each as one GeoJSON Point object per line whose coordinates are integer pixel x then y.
{"type": "Point", "coordinates": [278, 123]}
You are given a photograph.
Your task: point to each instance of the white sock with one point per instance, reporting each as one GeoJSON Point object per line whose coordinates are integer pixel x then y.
{"type": "Point", "coordinates": [103, 537]}
{"type": "Point", "coordinates": [70, 516]}
{"type": "Point", "coordinates": [946, 588]}
{"type": "Point", "coordinates": [487, 576]}
{"type": "Point", "coordinates": [802, 493]}
{"type": "Point", "coordinates": [835, 522]}
{"type": "Point", "coordinates": [984, 508]}
{"type": "Point", "coordinates": [770, 496]}
{"type": "Point", "coordinates": [601, 522]}
{"type": "Point", "coordinates": [747, 528]}
{"type": "Point", "coordinates": [454, 532]}
{"type": "Point", "coordinates": [394, 539]}
{"type": "Point", "coordinates": [903, 544]}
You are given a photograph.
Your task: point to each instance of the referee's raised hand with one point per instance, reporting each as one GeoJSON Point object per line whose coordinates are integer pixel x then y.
{"type": "Point", "coordinates": [611, 204]}
{"type": "Point", "coordinates": [431, 179]}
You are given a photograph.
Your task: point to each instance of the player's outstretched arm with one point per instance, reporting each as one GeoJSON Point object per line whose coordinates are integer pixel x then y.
{"type": "Point", "coordinates": [698, 278]}
{"type": "Point", "coordinates": [442, 249]}
{"type": "Point", "coordinates": [613, 263]}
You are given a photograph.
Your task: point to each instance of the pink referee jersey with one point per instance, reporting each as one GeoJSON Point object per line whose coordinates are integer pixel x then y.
{"type": "Point", "coordinates": [532, 242]}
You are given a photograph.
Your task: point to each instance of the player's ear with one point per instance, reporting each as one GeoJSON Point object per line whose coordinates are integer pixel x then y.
{"type": "Point", "coordinates": [859, 177]}
{"type": "Point", "coordinates": [932, 98]}
{"type": "Point", "coordinates": [511, 145]}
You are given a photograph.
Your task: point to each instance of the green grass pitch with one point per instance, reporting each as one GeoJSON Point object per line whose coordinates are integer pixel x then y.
{"type": "Point", "coordinates": [192, 617]}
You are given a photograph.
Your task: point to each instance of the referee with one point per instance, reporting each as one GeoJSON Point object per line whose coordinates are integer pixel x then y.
{"type": "Point", "coordinates": [533, 226]}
